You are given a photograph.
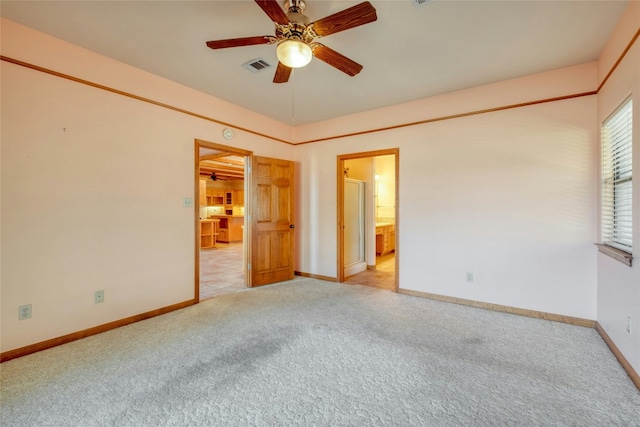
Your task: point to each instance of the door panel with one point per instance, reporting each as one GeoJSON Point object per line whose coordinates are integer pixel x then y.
{"type": "Point", "coordinates": [263, 213]}
{"type": "Point", "coordinates": [272, 221]}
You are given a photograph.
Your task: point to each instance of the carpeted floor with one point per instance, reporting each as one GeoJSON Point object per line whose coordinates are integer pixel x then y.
{"type": "Point", "coordinates": [314, 353]}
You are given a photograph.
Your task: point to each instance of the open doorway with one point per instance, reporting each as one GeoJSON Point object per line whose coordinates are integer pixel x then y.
{"type": "Point", "coordinates": [222, 248]}
{"type": "Point", "coordinates": [368, 206]}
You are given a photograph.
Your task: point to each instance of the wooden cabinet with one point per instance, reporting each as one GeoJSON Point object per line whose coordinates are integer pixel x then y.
{"type": "Point", "coordinates": [231, 229]}
{"type": "Point", "coordinates": [228, 199]}
{"type": "Point", "coordinates": [215, 197]}
{"type": "Point", "coordinates": [238, 197]}
{"type": "Point", "coordinates": [209, 233]}
{"type": "Point", "coordinates": [223, 236]}
{"type": "Point", "coordinates": [233, 198]}
{"type": "Point", "coordinates": [210, 196]}
{"type": "Point", "coordinates": [392, 238]}
{"type": "Point", "coordinates": [236, 229]}
{"type": "Point", "coordinates": [385, 239]}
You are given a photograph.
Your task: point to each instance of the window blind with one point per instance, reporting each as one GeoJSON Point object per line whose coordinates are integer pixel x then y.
{"type": "Point", "coordinates": [617, 171]}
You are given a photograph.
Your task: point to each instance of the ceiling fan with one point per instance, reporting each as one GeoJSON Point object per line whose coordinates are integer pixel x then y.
{"type": "Point", "coordinates": [215, 177]}
{"type": "Point", "coordinates": [295, 36]}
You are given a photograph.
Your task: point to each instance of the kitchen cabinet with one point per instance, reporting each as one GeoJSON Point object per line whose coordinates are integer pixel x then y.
{"type": "Point", "coordinates": [238, 197]}
{"type": "Point", "coordinates": [209, 231]}
{"type": "Point", "coordinates": [228, 199]}
{"type": "Point", "coordinates": [236, 229]}
{"type": "Point", "coordinates": [223, 236]}
{"type": "Point", "coordinates": [231, 228]}
{"type": "Point", "coordinates": [215, 197]}
{"type": "Point", "coordinates": [385, 239]}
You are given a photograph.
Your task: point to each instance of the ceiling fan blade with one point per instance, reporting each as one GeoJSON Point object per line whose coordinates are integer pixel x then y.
{"type": "Point", "coordinates": [355, 16]}
{"type": "Point", "coordinates": [243, 41]}
{"type": "Point", "coordinates": [274, 11]}
{"type": "Point", "coordinates": [282, 73]}
{"type": "Point", "coordinates": [336, 59]}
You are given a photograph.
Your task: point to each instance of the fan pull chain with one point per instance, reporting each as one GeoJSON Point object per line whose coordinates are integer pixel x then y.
{"type": "Point", "coordinates": [293, 97]}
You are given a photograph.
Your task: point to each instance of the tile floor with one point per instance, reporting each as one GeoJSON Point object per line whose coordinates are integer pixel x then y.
{"type": "Point", "coordinates": [221, 270]}
{"type": "Point", "coordinates": [383, 277]}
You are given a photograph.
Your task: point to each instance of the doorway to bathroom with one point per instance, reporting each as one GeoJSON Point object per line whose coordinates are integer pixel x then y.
{"type": "Point", "coordinates": [368, 205]}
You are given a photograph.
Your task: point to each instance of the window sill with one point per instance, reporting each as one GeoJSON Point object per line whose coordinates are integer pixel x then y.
{"type": "Point", "coordinates": [617, 254]}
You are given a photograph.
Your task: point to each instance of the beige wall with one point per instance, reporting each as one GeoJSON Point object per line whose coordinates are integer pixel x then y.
{"type": "Point", "coordinates": [93, 186]}
{"type": "Point", "coordinates": [385, 183]}
{"type": "Point", "coordinates": [618, 285]}
{"type": "Point", "coordinates": [508, 196]}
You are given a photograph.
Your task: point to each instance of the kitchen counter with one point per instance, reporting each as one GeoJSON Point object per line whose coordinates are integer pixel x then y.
{"type": "Point", "coordinates": [383, 224]}
{"type": "Point", "coordinates": [231, 227]}
{"type": "Point", "coordinates": [209, 229]}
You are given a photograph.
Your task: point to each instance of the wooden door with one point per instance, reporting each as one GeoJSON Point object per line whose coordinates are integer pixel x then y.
{"type": "Point", "coordinates": [271, 221]}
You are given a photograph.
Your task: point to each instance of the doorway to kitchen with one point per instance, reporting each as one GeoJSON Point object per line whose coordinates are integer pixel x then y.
{"type": "Point", "coordinates": [222, 249]}
{"type": "Point", "coordinates": [368, 206]}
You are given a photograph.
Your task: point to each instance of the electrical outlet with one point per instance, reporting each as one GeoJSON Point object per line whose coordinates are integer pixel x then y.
{"type": "Point", "coordinates": [98, 297]}
{"type": "Point", "coordinates": [629, 325]}
{"type": "Point", "coordinates": [187, 202]}
{"type": "Point", "coordinates": [24, 312]}
{"type": "Point", "coordinates": [470, 277]}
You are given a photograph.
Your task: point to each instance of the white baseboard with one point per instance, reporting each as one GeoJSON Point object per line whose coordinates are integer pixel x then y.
{"type": "Point", "coordinates": [354, 268]}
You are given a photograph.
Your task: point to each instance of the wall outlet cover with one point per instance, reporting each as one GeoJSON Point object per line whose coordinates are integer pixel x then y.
{"type": "Point", "coordinates": [24, 312]}
{"type": "Point", "coordinates": [99, 297]}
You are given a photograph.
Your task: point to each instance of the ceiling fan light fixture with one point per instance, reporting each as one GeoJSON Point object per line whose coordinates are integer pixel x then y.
{"type": "Point", "coordinates": [294, 53]}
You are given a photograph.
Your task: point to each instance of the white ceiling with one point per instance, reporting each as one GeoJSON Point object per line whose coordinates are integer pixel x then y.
{"type": "Point", "coordinates": [408, 53]}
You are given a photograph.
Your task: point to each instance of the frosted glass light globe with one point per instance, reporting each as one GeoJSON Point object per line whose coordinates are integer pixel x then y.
{"type": "Point", "coordinates": [294, 53]}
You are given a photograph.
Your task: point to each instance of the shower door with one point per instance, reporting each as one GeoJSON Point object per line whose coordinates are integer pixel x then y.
{"type": "Point", "coordinates": [354, 227]}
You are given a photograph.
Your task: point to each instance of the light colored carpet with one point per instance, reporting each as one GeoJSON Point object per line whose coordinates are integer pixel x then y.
{"type": "Point", "coordinates": [308, 352]}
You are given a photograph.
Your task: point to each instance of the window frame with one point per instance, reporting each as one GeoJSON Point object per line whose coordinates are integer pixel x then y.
{"type": "Point", "coordinates": [616, 217]}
